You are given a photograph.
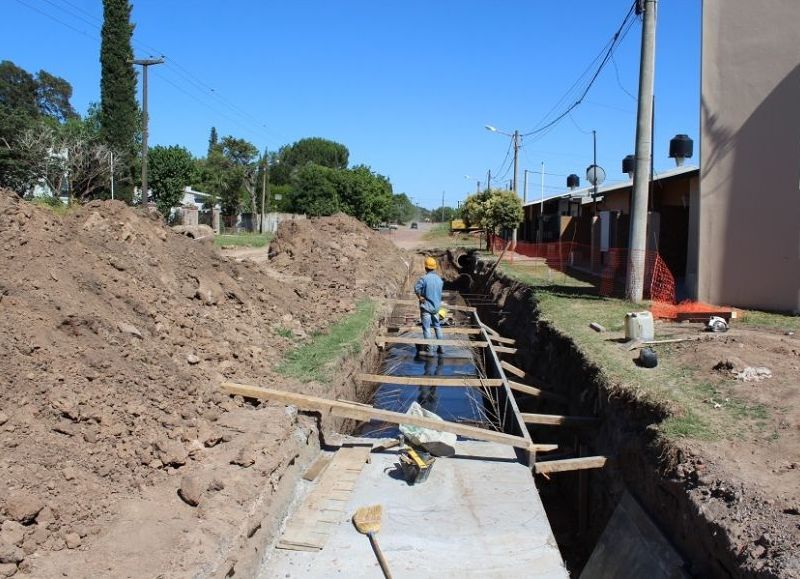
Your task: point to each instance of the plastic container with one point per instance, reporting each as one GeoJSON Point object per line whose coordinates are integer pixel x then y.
{"type": "Point", "coordinates": [639, 326]}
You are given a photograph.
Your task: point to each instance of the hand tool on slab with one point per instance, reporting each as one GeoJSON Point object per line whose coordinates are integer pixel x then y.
{"type": "Point", "coordinates": [367, 521]}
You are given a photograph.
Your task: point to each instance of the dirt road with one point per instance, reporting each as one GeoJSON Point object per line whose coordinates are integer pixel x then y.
{"type": "Point", "coordinates": [407, 238]}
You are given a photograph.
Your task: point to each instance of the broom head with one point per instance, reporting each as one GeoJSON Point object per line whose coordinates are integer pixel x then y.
{"type": "Point", "coordinates": [368, 519]}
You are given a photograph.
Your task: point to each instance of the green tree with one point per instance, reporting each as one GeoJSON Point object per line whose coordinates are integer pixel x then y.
{"type": "Point", "coordinates": [213, 140]}
{"type": "Point", "coordinates": [365, 195]}
{"type": "Point", "coordinates": [52, 97]}
{"type": "Point", "coordinates": [443, 214]}
{"type": "Point", "coordinates": [315, 191]}
{"type": "Point", "coordinates": [503, 210]}
{"type": "Point", "coordinates": [171, 169]}
{"type": "Point", "coordinates": [119, 110]}
{"type": "Point", "coordinates": [473, 209]}
{"type": "Point", "coordinates": [315, 150]}
{"type": "Point", "coordinates": [402, 210]}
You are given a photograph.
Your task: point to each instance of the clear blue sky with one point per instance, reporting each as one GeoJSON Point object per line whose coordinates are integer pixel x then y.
{"type": "Point", "coordinates": [406, 86]}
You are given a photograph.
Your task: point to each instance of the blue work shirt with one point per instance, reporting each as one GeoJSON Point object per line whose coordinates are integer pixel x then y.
{"type": "Point", "coordinates": [430, 287]}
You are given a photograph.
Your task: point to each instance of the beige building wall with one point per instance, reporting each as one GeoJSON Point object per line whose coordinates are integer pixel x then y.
{"type": "Point", "coordinates": [749, 222]}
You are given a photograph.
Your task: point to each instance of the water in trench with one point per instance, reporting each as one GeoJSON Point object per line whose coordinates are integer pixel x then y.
{"type": "Point", "coordinates": [456, 404]}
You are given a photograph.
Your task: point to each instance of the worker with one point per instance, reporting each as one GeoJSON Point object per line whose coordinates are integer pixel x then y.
{"type": "Point", "coordinates": [429, 293]}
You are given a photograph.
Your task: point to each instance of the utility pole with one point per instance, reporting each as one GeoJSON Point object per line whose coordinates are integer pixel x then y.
{"type": "Point", "coordinates": [489, 180]}
{"type": "Point", "coordinates": [145, 63]}
{"type": "Point", "coordinates": [516, 158]}
{"type": "Point", "coordinates": [594, 164]}
{"type": "Point", "coordinates": [442, 213]}
{"type": "Point", "coordinates": [478, 187]}
{"type": "Point", "coordinates": [541, 205]}
{"type": "Point", "coordinates": [634, 286]}
{"type": "Point", "coordinates": [264, 190]}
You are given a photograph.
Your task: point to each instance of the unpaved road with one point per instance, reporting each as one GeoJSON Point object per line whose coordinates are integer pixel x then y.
{"type": "Point", "coordinates": [407, 238]}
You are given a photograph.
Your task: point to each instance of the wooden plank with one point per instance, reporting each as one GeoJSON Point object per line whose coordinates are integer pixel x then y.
{"type": "Point", "coordinates": [429, 380]}
{"type": "Point", "coordinates": [703, 317]}
{"type": "Point", "coordinates": [503, 340]}
{"type": "Point", "coordinates": [454, 307]}
{"type": "Point", "coordinates": [559, 420]}
{"type": "Point", "coordinates": [534, 391]}
{"type": "Point", "coordinates": [513, 369]}
{"type": "Point", "coordinates": [456, 331]}
{"type": "Point", "coordinates": [354, 412]}
{"type": "Point", "coordinates": [318, 467]}
{"type": "Point", "coordinates": [519, 373]}
{"type": "Point", "coordinates": [308, 528]}
{"type": "Point", "coordinates": [430, 341]}
{"type": "Point", "coordinates": [569, 464]}
{"type": "Point", "coordinates": [504, 350]}
{"type": "Point", "coordinates": [489, 330]}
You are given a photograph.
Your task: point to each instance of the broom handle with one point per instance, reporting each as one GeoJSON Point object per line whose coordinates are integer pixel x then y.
{"type": "Point", "coordinates": [379, 554]}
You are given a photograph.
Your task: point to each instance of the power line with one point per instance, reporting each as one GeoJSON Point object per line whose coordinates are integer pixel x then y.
{"type": "Point", "coordinates": [173, 65]}
{"type": "Point", "coordinates": [607, 53]}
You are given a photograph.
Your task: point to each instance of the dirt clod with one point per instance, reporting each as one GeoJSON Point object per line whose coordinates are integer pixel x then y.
{"type": "Point", "coordinates": [191, 490]}
{"type": "Point", "coordinates": [72, 540]}
{"type": "Point", "coordinates": [23, 507]}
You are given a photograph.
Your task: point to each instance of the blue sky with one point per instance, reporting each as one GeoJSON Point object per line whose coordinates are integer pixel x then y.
{"type": "Point", "coordinates": [406, 86]}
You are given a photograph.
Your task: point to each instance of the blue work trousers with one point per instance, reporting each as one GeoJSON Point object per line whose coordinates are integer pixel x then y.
{"type": "Point", "coordinates": [428, 319]}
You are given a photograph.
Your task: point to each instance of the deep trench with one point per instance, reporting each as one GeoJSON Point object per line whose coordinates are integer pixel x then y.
{"type": "Point", "coordinates": [579, 504]}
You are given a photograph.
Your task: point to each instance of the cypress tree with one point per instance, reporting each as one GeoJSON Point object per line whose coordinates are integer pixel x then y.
{"type": "Point", "coordinates": [118, 107]}
{"type": "Point", "coordinates": [212, 141]}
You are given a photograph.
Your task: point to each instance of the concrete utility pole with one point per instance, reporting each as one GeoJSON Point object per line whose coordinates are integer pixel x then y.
{"type": "Point", "coordinates": [145, 63]}
{"type": "Point", "coordinates": [516, 159]}
{"type": "Point", "coordinates": [489, 180]}
{"type": "Point", "coordinates": [264, 192]}
{"type": "Point", "coordinates": [634, 286]}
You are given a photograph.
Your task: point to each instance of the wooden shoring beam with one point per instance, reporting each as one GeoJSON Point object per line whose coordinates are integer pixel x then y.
{"type": "Point", "coordinates": [538, 392]}
{"type": "Point", "coordinates": [502, 340]}
{"type": "Point", "coordinates": [520, 373]}
{"type": "Point", "coordinates": [429, 380]}
{"type": "Point", "coordinates": [445, 330]}
{"type": "Point", "coordinates": [454, 307]}
{"type": "Point", "coordinates": [380, 340]}
{"type": "Point", "coordinates": [505, 350]}
{"type": "Point", "coordinates": [366, 414]}
{"type": "Point", "coordinates": [559, 420]}
{"type": "Point", "coordinates": [568, 464]}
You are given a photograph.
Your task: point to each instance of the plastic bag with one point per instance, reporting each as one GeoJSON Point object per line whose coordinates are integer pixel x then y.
{"type": "Point", "coordinates": [436, 442]}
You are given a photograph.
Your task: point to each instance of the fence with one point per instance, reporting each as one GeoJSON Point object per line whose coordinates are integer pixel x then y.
{"type": "Point", "coordinates": [576, 264]}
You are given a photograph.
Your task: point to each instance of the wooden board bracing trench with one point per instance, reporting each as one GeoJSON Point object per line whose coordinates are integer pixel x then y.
{"type": "Point", "coordinates": [380, 340]}
{"type": "Point", "coordinates": [446, 330]}
{"type": "Point", "coordinates": [324, 508]}
{"type": "Point", "coordinates": [430, 381]}
{"type": "Point", "coordinates": [365, 414]}
{"type": "Point", "coordinates": [568, 464]}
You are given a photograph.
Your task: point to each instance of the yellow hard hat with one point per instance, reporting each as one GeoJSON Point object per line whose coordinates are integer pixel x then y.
{"type": "Point", "coordinates": [430, 263]}
{"type": "Point", "coordinates": [442, 313]}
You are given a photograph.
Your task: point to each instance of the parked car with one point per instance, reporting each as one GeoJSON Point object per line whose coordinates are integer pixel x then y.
{"type": "Point", "coordinates": [414, 225]}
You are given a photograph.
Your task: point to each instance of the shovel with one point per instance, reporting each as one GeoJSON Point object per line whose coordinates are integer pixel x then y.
{"type": "Point", "coordinates": [367, 521]}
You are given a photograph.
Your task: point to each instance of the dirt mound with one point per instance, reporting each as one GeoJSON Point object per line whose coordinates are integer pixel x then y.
{"type": "Point", "coordinates": [114, 334]}
{"type": "Point", "coordinates": [338, 252]}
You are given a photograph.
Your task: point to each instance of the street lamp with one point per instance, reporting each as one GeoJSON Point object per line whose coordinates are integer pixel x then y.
{"type": "Point", "coordinates": [515, 140]}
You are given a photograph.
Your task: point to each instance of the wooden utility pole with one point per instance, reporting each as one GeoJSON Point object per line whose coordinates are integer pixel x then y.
{"type": "Point", "coordinates": [634, 286]}
{"type": "Point", "coordinates": [145, 63]}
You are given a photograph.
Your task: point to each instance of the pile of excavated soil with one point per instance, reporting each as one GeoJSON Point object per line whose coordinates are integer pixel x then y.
{"type": "Point", "coordinates": [339, 253]}
{"type": "Point", "coordinates": [114, 335]}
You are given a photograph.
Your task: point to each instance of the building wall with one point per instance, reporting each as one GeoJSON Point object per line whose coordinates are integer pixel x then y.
{"type": "Point", "coordinates": [749, 226]}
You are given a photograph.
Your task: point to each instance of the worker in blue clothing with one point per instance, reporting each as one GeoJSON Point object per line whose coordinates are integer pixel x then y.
{"type": "Point", "coordinates": [429, 292]}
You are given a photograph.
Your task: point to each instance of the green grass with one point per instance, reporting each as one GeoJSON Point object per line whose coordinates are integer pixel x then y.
{"type": "Point", "coordinates": [283, 332]}
{"type": "Point", "coordinates": [54, 204]}
{"type": "Point", "coordinates": [785, 322]}
{"type": "Point", "coordinates": [317, 359]}
{"type": "Point", "coordinates": [696, 408]}
{"type": "Point", "coordinates": [244, 239]}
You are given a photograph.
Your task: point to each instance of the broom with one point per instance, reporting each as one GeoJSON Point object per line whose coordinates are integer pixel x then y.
{"type": "Point", "coordinates": [367, 521]}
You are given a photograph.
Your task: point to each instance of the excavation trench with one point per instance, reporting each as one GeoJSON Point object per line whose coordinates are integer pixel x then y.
{"type": "Point", "coordinates": [580, 504]}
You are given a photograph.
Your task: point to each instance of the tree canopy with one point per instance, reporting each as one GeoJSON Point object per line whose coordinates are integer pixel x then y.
{"type": "Point", "coordinates": [493, 210]}
{"type": "Point", "coordinates": [314, 150]}
{"type": "Point", "coordinates": [171, 170]}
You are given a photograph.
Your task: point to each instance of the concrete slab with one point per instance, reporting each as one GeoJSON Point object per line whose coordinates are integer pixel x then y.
{"type": "Point", "coordinates": [478, 515]}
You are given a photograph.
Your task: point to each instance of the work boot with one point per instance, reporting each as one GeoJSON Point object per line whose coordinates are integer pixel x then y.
{"type": "Point", "coordinates": [439, 350]}
{"type": "Point", "coordinates": [425, 351]}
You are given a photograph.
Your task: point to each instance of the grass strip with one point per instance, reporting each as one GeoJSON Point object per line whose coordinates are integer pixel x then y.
{"type": "Point", "coordinates": [243, 239]}
{"type": "Point", "coordinates": [696, 408]}
{"type": "Point", "coordinates": [316, 360]}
